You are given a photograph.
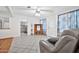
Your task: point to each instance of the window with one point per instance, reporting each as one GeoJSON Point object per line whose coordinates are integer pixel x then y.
{"type": "Point", "coordinates": [4, 23]}
{"type": "Point", "coordinates": [78, 19]}
{"type": "Point", "coordinates": [43, 21]}
{"type": "Point", "coordinates": [62, 22]}
{"type": "Point", "coordinates": [69, 20]}
{"type": "Point", "coordinates": [73, 20]}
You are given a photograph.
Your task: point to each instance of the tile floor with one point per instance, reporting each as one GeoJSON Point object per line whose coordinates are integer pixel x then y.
{"type": "Point", "coordinates": [26, 44]}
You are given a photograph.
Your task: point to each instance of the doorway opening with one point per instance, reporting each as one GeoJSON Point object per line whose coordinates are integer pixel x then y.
{"type": "Point", "coordinates": [24, 28]}
{"type": "Point", "coordinates": [38, 29]}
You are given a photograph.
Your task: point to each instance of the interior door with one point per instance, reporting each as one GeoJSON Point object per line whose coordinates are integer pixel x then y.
{"type": "Point", "coordinates": [36, 31]}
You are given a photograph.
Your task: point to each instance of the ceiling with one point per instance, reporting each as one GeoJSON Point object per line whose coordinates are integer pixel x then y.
{"type": "Point", "coordinates": [31, 10]}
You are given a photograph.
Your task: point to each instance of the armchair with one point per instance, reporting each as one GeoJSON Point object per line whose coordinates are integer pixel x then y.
{"type": "Point", "coordinates": [66, 43]}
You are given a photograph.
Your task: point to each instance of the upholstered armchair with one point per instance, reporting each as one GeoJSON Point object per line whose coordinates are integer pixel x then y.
{"type": "Point", "coordinates": [66, 43]}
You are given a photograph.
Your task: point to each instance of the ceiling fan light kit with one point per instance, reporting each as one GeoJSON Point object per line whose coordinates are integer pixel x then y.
{"type": "Point", "coordinates": [37, 14]}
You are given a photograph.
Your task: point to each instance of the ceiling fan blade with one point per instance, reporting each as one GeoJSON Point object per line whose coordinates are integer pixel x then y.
{"type": "Point", "coordinates": [46, 10]}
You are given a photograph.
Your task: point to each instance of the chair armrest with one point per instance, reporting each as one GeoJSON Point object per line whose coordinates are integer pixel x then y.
{"type": "Point", "coordinates": [46, 45]}
{"type": "Point", "coordinates": [53, 40]}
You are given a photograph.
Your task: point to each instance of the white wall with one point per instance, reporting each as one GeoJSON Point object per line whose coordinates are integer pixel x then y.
{"type": "Point", "coordinates": [32, 21]}
{"type": "Point", "coordinates": [14, 28]}
{"type": "Point", "coordinates": [51, 25]}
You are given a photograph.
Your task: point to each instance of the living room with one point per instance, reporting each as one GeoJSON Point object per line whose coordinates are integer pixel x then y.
{"type": "Point", "coordinates": [25, 29]}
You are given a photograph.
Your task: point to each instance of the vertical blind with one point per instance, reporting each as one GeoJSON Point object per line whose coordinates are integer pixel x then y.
{"type": "Point", "coordinates": [69, 20]}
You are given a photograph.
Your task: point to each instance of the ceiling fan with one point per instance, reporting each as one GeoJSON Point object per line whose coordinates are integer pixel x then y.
{"type": "Point", "coordinates": [37, 10]}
